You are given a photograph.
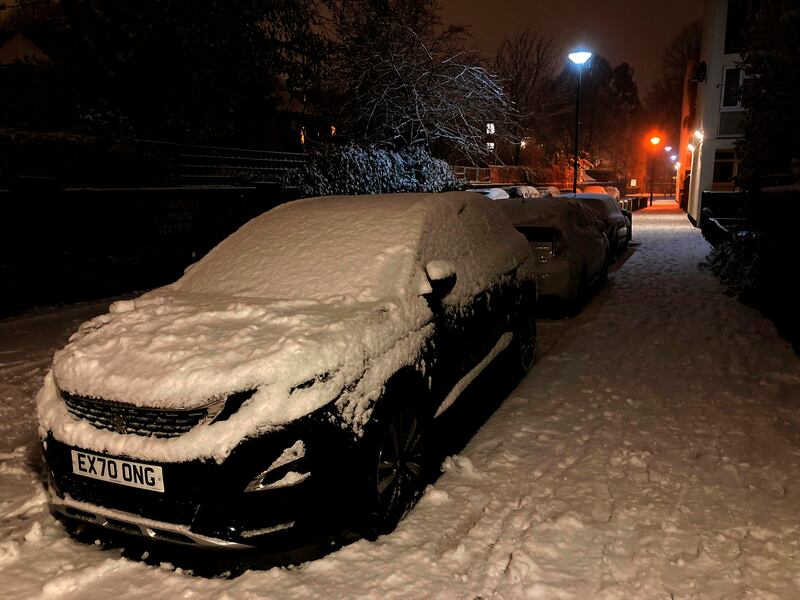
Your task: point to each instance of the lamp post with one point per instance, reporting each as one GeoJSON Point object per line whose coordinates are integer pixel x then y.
{"type": "Point", "coordinates": [655, 140]}
{"type": "Point", "coordinates": [579, 57]}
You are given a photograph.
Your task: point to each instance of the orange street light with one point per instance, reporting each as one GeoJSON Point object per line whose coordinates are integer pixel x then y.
{"type": "Point", "coordinates": [655, 141]}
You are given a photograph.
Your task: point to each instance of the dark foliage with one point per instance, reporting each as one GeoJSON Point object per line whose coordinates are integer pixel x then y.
{"type": "Point", "coordinates": [161, 68]}
{"type": "Point", "coordinates": [754, 265]}
{"type": "Point", "coordinates": [771, 93]}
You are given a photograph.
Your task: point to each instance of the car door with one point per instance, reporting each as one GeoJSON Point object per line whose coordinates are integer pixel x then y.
{"type": "Point", "coordinates": [465, 331]}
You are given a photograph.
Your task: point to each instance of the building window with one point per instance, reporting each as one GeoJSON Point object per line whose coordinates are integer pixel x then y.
{"type": "Point", "coordinates": [731, 110]}
{"type": "Point", "coordinates": [490, 128]}
{"type": "Point", "coordinates": [726, 167]}
{"type": "Point", "coordinates": [490, 146]}
{"type": "Point", "coordinates": [732, 88]}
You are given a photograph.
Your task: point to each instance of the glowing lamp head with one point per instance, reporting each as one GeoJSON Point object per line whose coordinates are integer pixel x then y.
{"type": "Point", "coordinates": [691, 147]}
{"type": "Point", "coordinates": [674, 157]}
{"type": "Point", "coordinates": [655, 140]}
{"type": "Point", "coordinates": [698, 135]}
{"type": "Point", "coordinates": [579, 57]}
{"type": "Point", "coordinates": [677, 166]}
{"type": "Point", "coordinates": [667, 148]}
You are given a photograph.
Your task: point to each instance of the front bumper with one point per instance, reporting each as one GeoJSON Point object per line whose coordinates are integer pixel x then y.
{"type": "Point", "coordinates": [204, 503]}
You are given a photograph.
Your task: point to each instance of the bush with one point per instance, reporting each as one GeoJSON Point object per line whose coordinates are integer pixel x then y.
{"type": "Point", "coordinates": [351, 169]}
{"type": "Point", "coordinates": [757, 264]}
{"type": "Point", "coordinates": [737, 262]}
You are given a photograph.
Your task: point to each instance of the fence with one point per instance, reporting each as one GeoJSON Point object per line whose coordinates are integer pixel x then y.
{"type": "Point", "coordinates": [215, 165]}
{"type": "Point", "coordinates": [71, 245]}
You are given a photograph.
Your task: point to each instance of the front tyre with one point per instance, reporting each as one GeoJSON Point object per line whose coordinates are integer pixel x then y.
{"type": "Point", "coordinates": [396, 467]}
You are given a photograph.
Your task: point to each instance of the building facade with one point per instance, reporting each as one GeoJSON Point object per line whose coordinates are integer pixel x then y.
{"type": "Point", "coordinates": [719, 110]}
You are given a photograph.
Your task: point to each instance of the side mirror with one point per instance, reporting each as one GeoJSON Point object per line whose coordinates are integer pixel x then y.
{"type": "Point", "coordinates": [442, 277]}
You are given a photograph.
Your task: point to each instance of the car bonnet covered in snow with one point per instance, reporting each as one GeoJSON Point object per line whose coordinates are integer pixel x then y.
{"type": "Point", "coordinates": [309, 293]}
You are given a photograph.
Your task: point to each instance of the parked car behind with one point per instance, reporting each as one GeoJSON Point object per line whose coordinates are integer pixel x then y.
{"type": "Point", "coordinates": [494, 193]}
{"type": "Point", "coordinates": [548, 190]}
{"type": "Point", "coordinates": [615, 225]}
{"type": "Point", "coordinates": [522, 191]}
{"type": "Point", "coordinates": [571, 252]}
{"type": "Point", "coordinates": [286, 384]}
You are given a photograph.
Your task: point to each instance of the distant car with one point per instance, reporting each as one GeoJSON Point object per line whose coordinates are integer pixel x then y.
{"type": "Point", "coordinates": [286, 385]}
{"type": "Point", "coordinates": [571, 252]}
{"type": "Point", "coordinates": [522, 191]}
{"type": "Point", "coordinates": [615, 224]}
{"type": "Point", "coordinates": [548, 190]}
{"type": "Point", "coordinates": [491, 193]}
{"type": "Point", "coordinates": [612, 191]}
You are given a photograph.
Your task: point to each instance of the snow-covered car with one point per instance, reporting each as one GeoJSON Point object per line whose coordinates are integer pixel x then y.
{"type": "Point", "coordinates": [494, 193]}
{"type": "Point", "coordinates": [593, 189]}
{"type": "Point", "coordinates": [612, 191]}
{"type": "Point", "coordinates": [571, 252]}
{"type": "Point", "coordinates": [285, 385]}
{"type": "Point", "coordinates": [615, 224]}
{"type": "Point", "coordinates": [522, 191]}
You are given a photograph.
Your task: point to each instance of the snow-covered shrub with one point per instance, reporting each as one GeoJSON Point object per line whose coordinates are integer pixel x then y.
{"type": "Point", "coordinates": [352, 169]}
{"type": "Point", "coordinates": [736, 262]}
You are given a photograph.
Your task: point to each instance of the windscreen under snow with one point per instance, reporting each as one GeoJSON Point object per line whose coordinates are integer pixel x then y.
{"type": "Point", "coordinates": [361, 247]}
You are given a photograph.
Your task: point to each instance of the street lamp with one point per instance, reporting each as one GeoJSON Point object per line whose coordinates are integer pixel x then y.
{"type": "Point", "coordinates": [667, 148]}
{"type": "Point", "coordinates": [579, 57]}
{"type": "Point", "coordinates": [655, 140]}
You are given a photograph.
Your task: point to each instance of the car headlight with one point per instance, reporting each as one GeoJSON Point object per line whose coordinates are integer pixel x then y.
{"type": "Point", "coordinates": [233, 403]}
{"type": "Point", "coordinates": [285, 471]}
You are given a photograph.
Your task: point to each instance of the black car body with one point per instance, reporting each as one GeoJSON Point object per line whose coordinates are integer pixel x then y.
{"type": "Point", "coordinates": [209, 413]}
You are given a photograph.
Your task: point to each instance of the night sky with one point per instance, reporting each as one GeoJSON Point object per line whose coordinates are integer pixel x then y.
{"type": "Point", "coordinates": [636, 31]}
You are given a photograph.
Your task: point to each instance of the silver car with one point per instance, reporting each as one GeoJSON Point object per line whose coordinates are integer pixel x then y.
{"type": "Point", "coordinates": [570, 250]}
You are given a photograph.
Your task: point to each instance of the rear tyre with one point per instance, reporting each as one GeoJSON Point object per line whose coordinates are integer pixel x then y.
{"type": "Point", "coordinates": [602, 279]}
{"type": "Point", "coordinates": [524, 344]}
{"type": "Point", "coordinates": [396, 467]}
{"type": "Point", "coordinates": [581, 293]}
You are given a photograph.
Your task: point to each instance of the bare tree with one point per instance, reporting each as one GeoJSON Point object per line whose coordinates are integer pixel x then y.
{"type": "Point", "coordinates": [526, 63]}
{"type": "Point", "coordinates": [664, 97]}
{"type": "Point", "coordinates": [406, 80]}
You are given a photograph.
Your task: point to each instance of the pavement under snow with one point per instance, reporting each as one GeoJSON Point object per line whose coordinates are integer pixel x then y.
{"type": "Point", "coordinates": [653, 452]}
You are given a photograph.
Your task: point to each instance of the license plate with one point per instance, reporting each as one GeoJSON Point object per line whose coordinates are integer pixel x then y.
{"type": "Point", "coordinates": [116, 470]}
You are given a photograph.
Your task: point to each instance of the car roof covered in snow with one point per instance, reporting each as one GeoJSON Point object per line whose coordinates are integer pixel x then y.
{"type": "Point", "coordinates": [564, 214]}
{"type": "Point", "coordinates": [361, 247]}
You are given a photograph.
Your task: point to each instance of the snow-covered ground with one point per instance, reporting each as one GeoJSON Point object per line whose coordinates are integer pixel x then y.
{"type": "Point", "coordinates": [653, 452]}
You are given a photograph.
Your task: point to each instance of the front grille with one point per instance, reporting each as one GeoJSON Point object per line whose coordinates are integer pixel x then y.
{"type": "Point", "coordinates": [126, 418]}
